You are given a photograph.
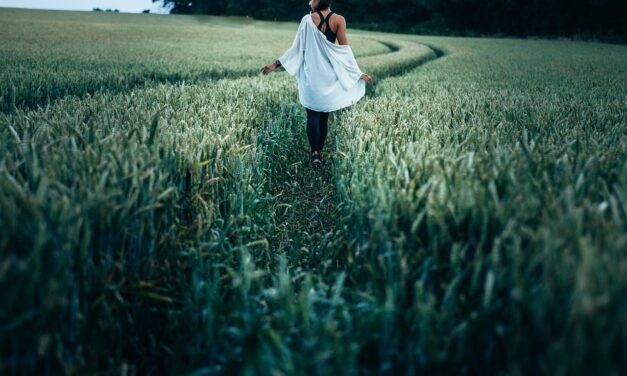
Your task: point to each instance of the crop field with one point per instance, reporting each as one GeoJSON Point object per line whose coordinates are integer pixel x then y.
{"type": "Point", "coordinates": [158, 213]}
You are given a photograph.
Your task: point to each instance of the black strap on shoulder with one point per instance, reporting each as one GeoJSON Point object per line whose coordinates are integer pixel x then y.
{"type": "Point", "coordinates": [323, 19]}
{"type": "Point", "coordinates": [327, 21]}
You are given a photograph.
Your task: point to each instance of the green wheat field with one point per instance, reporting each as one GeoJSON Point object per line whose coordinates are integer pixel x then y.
{"type": "Point", "coordinates": [159, 215]}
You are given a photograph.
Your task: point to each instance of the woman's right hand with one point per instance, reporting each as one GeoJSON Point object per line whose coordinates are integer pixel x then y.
{"type": "Point", "coordinates": [366, 78]}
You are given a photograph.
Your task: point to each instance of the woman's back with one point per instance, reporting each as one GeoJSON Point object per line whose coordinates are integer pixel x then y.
{"type": "Point", "coordinates": [327, 73]}
{"type": "Point", "coordinates": [328, 76]}
{"type": "Point", "coordinates": [325, 24]}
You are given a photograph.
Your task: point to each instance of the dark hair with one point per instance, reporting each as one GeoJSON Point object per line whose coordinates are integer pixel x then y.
{"type": "Point", "coordinates": [323, 4]}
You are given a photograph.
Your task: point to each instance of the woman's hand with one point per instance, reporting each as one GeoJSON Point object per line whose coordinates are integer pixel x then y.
{"type": "Point", "coordinates": [268, 68]}
{"type": "Point", "coordinates": [366, 78]}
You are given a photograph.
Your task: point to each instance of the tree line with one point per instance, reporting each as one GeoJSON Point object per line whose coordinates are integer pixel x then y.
{"type": "Point", "coordinates": [561, 18]}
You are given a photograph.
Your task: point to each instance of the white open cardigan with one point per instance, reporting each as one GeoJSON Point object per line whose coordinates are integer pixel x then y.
{"type": "Point", "coordinates": [327, 73]}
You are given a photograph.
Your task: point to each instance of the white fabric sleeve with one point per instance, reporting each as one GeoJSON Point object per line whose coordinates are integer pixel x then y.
{"type": "Point", "coordinates": [344, 64]}
{"type": "Point", "coordinates": [292, 59]}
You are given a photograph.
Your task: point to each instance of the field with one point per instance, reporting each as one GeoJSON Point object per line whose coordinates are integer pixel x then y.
{"type": "Point", "coordinates": [158, 213]}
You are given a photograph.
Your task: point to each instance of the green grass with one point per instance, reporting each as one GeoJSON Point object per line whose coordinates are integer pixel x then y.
{"type": "Point", "coordinates": [158, 212]}
{"type": "Point", "coordinates": [49, 55]}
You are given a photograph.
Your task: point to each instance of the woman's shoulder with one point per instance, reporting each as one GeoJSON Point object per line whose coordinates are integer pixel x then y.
{"type": "Point", "coordinates": [337, 22]}
{"type": "Point", "coordinates": [335, 17]}
{"type": "Point", "coordinates": [339, 19]}
{"type": "Point", "coordinates": [303, 21]}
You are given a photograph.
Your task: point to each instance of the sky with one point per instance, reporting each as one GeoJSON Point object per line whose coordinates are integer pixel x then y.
{"type": "Point", "coordinates": [130, 6]}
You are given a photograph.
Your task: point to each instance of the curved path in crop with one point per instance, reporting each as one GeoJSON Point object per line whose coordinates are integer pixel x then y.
{"type": "Point", "coordinates": [140, 80]}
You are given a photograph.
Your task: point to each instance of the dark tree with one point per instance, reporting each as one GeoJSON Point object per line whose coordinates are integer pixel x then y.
{"type": "Point", "coordinates": [484, 17]}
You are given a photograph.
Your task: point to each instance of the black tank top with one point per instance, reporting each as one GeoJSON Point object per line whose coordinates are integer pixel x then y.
{"type": "Point", "coordinates": [327, 31]}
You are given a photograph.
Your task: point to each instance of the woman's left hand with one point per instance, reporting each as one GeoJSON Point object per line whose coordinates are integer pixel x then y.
{"type": "Point", "coordinates": [268, 68]}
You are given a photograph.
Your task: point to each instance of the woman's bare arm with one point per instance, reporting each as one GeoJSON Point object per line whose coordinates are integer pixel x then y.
{"type": "Point", "coordinates": [341, 31]}
{"type": "Point", "coordinates": [342, 40]}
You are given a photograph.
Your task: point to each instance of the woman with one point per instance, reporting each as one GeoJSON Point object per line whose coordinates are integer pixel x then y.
{"type": "Point", "coordinates": [328, 75]}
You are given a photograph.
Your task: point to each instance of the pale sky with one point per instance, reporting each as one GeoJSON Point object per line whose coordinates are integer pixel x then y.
{"type": "Point", "coordinates": [130, 6]}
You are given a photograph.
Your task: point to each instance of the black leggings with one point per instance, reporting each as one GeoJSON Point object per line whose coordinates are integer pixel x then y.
{"type": "Point", "coordinates": [317, 126]}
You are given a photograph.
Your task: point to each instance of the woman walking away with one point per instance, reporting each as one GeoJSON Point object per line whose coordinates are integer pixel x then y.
{"type": "Point", "coordinates": [327, 73]}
